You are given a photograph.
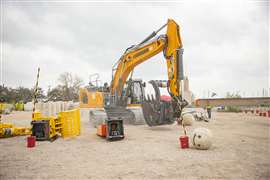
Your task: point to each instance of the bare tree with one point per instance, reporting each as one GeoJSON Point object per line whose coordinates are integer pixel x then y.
{"type": "Point", "coordinates": [68, 89]}
{"type": "Point", "coordinates": [13, 95]}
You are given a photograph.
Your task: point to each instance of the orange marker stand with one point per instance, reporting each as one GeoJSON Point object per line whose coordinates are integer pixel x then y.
{"type": "Point", "coordinates": [102, 130]}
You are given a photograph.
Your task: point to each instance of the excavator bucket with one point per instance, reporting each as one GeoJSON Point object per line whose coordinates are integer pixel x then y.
{"type": "Point", "coordinates": [157, 111]}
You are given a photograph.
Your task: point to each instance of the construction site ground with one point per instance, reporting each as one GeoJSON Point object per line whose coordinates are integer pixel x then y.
{"type": "Point", "coordinates": [240, 151]}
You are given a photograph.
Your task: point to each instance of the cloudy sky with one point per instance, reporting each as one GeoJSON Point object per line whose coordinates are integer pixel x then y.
{"type": "Point", "coordinates": [226, 43]}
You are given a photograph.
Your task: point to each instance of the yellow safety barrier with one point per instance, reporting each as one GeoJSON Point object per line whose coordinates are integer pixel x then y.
{"type": "Point", "coordinates": [71, 125]}
{"type": "Point", "coordinates": [3, 106]}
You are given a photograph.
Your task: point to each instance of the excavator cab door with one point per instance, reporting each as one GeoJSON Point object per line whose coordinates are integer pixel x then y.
{"type": "Point", "coordinates": [135, 92]}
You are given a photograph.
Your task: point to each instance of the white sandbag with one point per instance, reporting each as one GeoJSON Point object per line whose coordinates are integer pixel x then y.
{"type": "Point", "coordinates": [28, 106]}
{"type": "Point", "coordinates": [201, 138]}
{"type": "Point", "coordinates": [187, 119]}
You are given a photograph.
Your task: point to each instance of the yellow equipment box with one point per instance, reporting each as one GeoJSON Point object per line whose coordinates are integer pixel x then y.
{"type": "Point", "coordinates": [66, 124]}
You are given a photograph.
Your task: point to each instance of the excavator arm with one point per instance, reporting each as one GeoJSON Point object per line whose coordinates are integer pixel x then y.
{"type": "Point", "coordinates": [171, 46]}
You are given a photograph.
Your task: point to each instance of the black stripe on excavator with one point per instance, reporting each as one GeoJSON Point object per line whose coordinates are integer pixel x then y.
{"type": "Point", "coordinates": [141, 52]}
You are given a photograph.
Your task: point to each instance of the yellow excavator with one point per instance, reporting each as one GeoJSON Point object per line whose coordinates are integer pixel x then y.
{"type": "Point", "coordinates": [125, 91]}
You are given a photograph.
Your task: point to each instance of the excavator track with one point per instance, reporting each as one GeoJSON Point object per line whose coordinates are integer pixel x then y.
{"type": "Point", "coordinates": [119, 111]}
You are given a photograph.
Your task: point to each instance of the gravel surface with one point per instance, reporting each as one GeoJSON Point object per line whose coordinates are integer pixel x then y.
{"type": "Point", "coordinates": [240, 151]}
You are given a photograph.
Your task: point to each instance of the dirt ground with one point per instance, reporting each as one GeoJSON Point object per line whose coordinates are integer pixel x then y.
{"type": "Point", "coordinates": [240, 151]}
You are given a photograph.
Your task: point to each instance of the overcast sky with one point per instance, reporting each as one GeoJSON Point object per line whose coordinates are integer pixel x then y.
{"type": "Point", "coordinates": [226, 44]}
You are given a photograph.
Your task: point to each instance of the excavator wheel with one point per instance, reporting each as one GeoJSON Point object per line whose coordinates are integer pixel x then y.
{"type": "Point", "coordinates": [157, 111]}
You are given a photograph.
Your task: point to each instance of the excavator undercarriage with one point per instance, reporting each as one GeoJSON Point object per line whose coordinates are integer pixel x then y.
{"type": "Point", "coordinates": [157, 110]}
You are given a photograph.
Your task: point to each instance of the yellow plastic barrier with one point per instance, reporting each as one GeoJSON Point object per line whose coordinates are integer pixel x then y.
{"type": "Point", "coordinates": [3, 106]}
{"type": "Point", "coordinates": [71, 125]}
{"type": "Point", "coordinates": [19, 106]}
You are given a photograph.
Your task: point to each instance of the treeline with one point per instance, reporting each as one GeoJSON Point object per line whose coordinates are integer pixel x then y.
{"type": "Point", "coordinates": [66, 90]}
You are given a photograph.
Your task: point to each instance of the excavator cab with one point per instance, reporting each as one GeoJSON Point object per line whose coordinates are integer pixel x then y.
{"type": "Point", "coordinates": [135, 92]}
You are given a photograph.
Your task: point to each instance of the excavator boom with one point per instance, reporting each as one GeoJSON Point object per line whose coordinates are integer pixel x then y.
{"type": "Point", "coordinates": [170, 44]}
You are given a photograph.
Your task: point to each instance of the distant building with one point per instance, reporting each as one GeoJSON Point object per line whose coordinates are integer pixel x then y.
{"type": "Point", "coordinates": [188, 95]}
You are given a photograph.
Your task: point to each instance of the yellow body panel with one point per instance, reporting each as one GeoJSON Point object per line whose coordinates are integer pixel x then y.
{"type": "Point", "coordinates": [92, 99]}
{"type": "Point", "coordinates": [36, 115]}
